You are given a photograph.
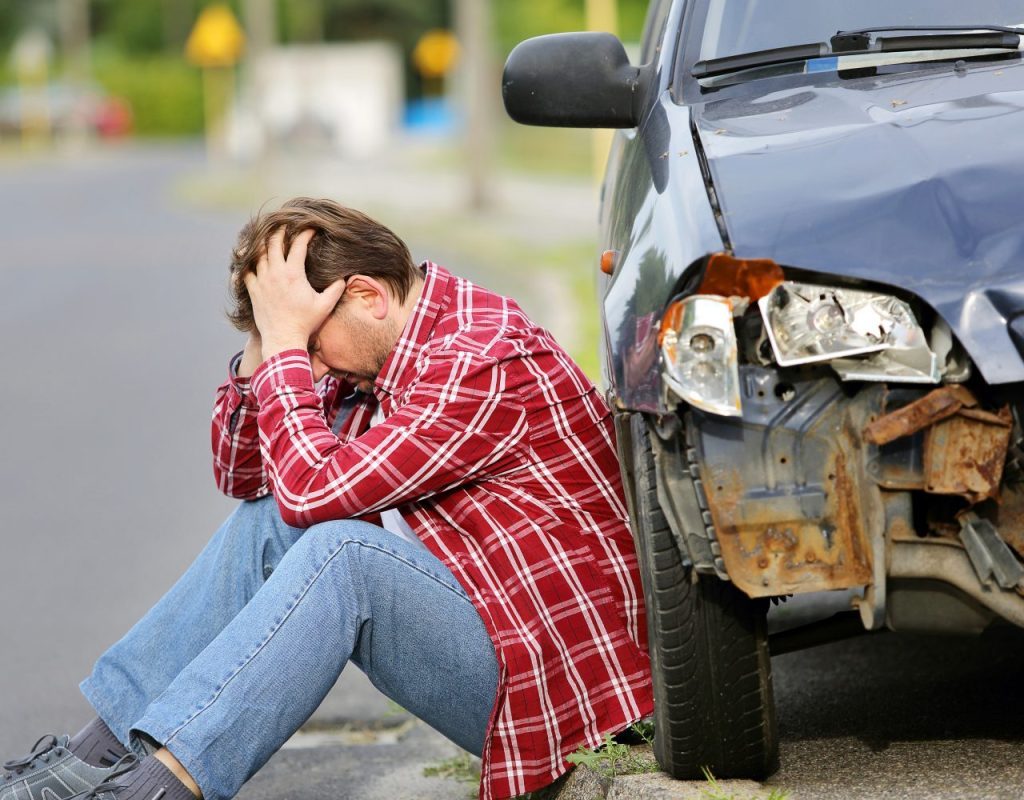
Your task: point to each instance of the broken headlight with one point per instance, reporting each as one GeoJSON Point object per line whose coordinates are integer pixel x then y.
{"type": "Point", "coordinates": [699, 357]}
{"type": "Point", "coordinates": [865, 335]}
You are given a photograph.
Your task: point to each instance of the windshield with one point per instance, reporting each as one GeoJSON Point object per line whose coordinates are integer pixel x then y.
{"type": "Point", "coordinates": [745, 26]}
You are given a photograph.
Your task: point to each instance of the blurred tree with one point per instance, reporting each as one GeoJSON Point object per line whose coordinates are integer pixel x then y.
{"type": "Point", "coordinates": [10, 22]}
{"type": "Point", "coordinates": [132, 28]}
{"type": "Point", "coordinates": [400, 21]}
{"type": "Point", "coordinates": [178, 16]}
{"type": "Point", "coordinates": [301, 21]}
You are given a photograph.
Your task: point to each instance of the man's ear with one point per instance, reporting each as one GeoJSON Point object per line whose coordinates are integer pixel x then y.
{"type": "Point", "coordinates": [370, 294]}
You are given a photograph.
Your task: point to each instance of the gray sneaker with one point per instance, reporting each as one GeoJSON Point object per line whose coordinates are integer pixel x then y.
{"type": "Point", "coordinates": [50, 772]}
{"type": "Point", "coordinates": [111, 787]}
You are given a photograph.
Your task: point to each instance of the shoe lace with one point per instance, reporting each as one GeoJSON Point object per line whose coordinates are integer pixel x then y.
{"type": "Point", "coordinates": [47, 746]}
{"type": "Point", "coordinates": [110, 786]}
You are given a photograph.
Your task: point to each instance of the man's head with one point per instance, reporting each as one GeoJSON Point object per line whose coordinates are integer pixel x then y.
{"type": "Point", "coordinates": [380, 276]}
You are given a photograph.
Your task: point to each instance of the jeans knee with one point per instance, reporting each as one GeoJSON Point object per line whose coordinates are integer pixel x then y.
{"type": "Point", "coordinates": [330, 539]}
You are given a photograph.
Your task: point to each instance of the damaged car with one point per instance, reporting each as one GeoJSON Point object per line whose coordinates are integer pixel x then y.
{"type": "Point", "coordinates": [812, 294]}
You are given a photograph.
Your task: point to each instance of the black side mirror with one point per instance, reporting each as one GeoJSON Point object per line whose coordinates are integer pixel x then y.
{"type": "Point", "coordinates": [572, 80]}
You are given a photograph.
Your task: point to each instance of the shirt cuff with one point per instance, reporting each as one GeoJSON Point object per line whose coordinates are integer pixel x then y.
{"type": "Point", "coordinates": [289, 369]}
{"type": "Point", "coordinates": [242, 386]}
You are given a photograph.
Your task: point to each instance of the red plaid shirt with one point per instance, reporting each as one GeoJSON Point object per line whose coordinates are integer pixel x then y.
{"type": "Point", "coordinates": [499, 453]}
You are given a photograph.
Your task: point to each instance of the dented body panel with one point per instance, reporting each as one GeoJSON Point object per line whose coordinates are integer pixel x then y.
{"type": "Point", "coordinates": [904, 181]}
{"type": "Point", "coordinates": [828, 177]}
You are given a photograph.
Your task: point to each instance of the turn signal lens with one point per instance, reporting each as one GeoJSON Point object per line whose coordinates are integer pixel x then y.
{"type": "Point", "coordinates": [727, 276]}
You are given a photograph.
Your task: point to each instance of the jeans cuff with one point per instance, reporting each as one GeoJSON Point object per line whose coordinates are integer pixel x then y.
{"type": "Point", "coordinates": [143, 733]}
{"type": "Point", "coordinates": [105, 710]}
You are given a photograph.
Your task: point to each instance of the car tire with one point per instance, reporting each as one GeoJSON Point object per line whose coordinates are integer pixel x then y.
{"type": "Point", "coordinates": [709, 650]}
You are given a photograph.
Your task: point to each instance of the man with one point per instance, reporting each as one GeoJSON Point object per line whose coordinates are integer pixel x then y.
{"type": "Point", "coordinates": [431, 492]}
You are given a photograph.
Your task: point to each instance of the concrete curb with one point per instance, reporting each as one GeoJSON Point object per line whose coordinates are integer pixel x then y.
{"type": "Point", "coordinates": [587, 783]}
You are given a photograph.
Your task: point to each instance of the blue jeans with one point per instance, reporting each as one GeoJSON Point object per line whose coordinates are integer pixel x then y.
{"type": "Point", "coordinates": [244, 647]}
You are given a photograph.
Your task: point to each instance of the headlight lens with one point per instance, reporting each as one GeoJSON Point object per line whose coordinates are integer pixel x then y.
{"type": "Point", "coordinates": [699, 358]}
{"type": "Point", "coordinates": [808, 323]}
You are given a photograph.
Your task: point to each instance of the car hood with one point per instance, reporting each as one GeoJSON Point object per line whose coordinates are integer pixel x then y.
{"type": "Point", "coordinates": [916, 183]}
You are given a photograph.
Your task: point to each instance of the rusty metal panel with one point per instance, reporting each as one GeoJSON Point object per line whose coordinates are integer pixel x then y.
{"type": "Point", "coordinates": [916, 416]}
{"type": "Point", "coordinates": [942, 443]}
{"type": "Point", "coordinates": [1009, 516]}
{"type": "Point", "coordinates": [784, 486]}
{"type": "Point", "coordinates": [773, 546]}
{"type": "Point", "coordinates": [964, 454]}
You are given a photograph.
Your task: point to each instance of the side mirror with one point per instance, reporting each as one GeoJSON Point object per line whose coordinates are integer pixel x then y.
{"type": "Point", "coordinates": [572, 80]}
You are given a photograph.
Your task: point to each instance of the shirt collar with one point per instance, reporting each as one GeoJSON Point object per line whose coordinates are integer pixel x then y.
{"type": "Point", "coordinates": [432, 303]}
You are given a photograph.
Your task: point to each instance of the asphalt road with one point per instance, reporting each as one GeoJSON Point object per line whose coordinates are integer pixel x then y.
{"type": "Point", "coordinates": [112, 339]}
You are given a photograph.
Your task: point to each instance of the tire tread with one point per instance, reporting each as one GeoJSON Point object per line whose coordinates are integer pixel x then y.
{"type": "Point", "coordinates": [712, 673]}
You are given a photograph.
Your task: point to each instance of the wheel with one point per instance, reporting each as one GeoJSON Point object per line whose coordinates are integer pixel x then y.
{"type": "Point", "coordinates": [713, 702]}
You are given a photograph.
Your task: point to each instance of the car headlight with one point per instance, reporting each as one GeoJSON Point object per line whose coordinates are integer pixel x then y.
{"type": "Point", "coordinates": [866, 335]}
{"type": "Point", "coordinates": [699, 356]}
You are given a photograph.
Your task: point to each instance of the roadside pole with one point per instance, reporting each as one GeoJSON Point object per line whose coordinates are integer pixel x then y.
{"type": "Point", "coordinates": [73, 25]}
{"type": "Point", "coordinates": [215, 45]}
{"type": "Point", "coordinates": [474, 31]}
{"type": "Point", "coordinates": [31, 56]}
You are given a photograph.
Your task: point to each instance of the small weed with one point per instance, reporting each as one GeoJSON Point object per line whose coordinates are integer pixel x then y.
{"type": "Point", "coordinates": [462, 768]}
{"type": "Point", "coordinates": [716, 792]}
{"type": "Point", "coordinates": [644, 729]}
{"type": "Point", "coordinates": [612, 758]}
{"type": "Point", "coordinates": [394, 710]}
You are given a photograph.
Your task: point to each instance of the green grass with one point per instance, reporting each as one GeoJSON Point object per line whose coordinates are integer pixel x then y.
{"type": "Point", "coordinates": [612, 759]}
{"type": "Point", "coordinates": [716, 792]}
{"type": "Point", "coordinates": [545, 151]}
{"type": "Point", "coordinates": [463, 768]}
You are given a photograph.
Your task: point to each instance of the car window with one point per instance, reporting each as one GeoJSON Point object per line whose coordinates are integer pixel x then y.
{"type": "Point", "coordinates": [745, 26]}
{"type": "Point", "coordinates": [654, 27]}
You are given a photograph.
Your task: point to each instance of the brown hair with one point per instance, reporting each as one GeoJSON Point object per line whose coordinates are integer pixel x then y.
{"type": "Point", "coordinates": [346, 242]}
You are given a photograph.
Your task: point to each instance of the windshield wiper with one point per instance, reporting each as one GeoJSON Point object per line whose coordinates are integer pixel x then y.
{"type": "Point", "coordinates": [759, 58]}
{"type": "Point", "coordinates": [846, 43]}
{"type": "Point", "coordinates": [945, 37]}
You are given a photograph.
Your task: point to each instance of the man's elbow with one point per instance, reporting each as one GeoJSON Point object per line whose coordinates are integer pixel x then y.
{"type": "Point", "coordinates": [299, 512]}
{"type": "Point", "coordinates": [290, 516]}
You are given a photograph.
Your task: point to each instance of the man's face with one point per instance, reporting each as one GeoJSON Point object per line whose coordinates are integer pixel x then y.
{"type": "Point", "coordinates": [352, 345]}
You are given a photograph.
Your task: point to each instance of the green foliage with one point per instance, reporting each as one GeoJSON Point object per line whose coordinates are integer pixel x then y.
{"type": "Point", "coordinates": [140, 27]}
{"type": "Point", "coordinates": [11, 22]}
{"type": "Point", "coordinates": [612, 759]}
{"type": "Point", "coordinates": [716, 792]}
{"type": "Point", "coordinates": [546, 151]}
{"type": "Point", "coordinates": [133, 28]}
{"type": "Point", "coordinates": [164, 92]}
{"type": "Point", "coordinates": [400, 20]}
{"type": "Point", "coordinates": [463, 768]}
{"type": "Point", "coordinates": [644, 729]}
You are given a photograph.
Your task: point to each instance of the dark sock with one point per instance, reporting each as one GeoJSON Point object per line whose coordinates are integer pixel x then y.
{"type": "Point", "coordinates": [151, 780]}
{"type": "Point", "coordinates": [96, 744]}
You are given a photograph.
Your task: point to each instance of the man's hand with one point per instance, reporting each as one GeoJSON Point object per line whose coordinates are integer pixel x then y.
{"type": "Point", "coordinates": [287, 310]}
